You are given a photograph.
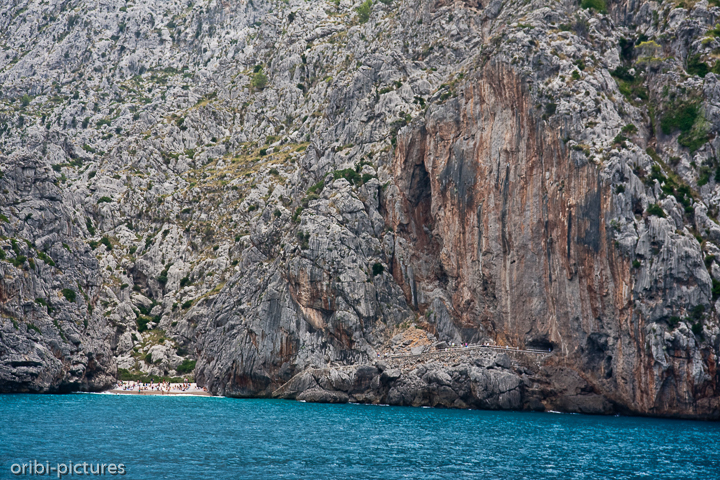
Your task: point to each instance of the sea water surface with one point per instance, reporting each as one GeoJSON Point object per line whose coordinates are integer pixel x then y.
{"type": "Point", "coordinates": [206, 438]}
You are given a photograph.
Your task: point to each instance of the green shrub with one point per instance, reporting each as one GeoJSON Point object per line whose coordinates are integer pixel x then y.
{"type": "Point", "coordinates": [654, 209]}
{"type": "Point", "coordinates": [682, 118]}
{"type": "Point", "coordinates": [623, 73]}
{"type": "Point", "coordinates": [106, 241]}
{"type": "Point", "coordinates": [673, 322]}
{"type": "Point", "coordinates": [187, 366]}
{"type": "Point", "coordinates": [69, 294]}
{"type": "Point", "coordinates": [348, 174]}
{"type": "Point", "coordinates": [317, 188]}
{"type": "Point", "coordinates": [46, 258]}
{"type": "Point", "coordinates": [89, 225]}
{"type": "Point", "coordinates": [636, 264]}
{"type": "Point", "coordinates": [704, 176]}
{"type": "Point", "coordinates": [696, 67]}
{"type": "Point", "coordinates": [142, 322]}
{"type": "Point", "coordinates": [148, 358]}
{"type": "Point", "coordinates": [296, 215]}
{"type": "Point", "coordinates": [104, 200]}
{"type": "Point", "coordinates": [132, 250]}
{"type": "Point", "coordinates": [598, 5]}
{"type": "Point", "coordinates": [697, 328]}
{"type": "Point", "coordinates": [363, 11]}
{"type": "Point", "coordinates": [630, 86]}
{"type": "Point", "coordinates": [550, 109]}
{"type": "Point", "coordinates": [629, 129]}
{"type": "Point", "coordinates": [259, 81]}
{"type": "Point", "coordinates": [715, 289]}
{"type": "Point", "coordinates": [698, 312]}
{"type": "Point", "coordinates": [162, 279]}
{"type": "Point", "coordinates": [186, 304]}
{"type": "Point", "coordinates": [304, 239]}
{"type": "Point", "coordinates": [377, 269]}
{"type": "Point", "coordinates": [687, 118]}
{"type": "Point", "coordinates": [30, 326]}
{"type": "Point", "coordinates": [620, 188]}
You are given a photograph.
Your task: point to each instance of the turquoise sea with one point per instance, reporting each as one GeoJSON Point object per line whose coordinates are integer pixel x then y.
{"type": "Point", "coordinates": [209, 438]}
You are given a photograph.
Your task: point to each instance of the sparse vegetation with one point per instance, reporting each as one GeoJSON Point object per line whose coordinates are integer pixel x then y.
{"type": "Point", "coordinates": [187, 366]}
{"type": "Point", "coordinates": [656, 210]}
{"type": "Point", "coordinates": [69, 294]}
{"type": "Point", "coordinates": [687, 118]}
{"type": "Point", "coordinates": [377, 269]}
{"type": "Point", "coordinates": [597, 5]}
{"type": "Point", "coordinates": [363, 11]}
{"type": "Point", "coordinates": [259, 80]}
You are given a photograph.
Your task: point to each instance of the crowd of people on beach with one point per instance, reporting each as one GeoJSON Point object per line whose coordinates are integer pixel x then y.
{"type": "Point", "coordinates": [160, 387]}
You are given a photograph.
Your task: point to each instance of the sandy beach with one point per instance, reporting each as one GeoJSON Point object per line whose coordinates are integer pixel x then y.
{"type": "Point", "coordinates": [136, 388]}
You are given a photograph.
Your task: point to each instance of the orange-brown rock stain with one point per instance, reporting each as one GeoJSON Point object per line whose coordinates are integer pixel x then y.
{"type": "Point", "coordinates": [511, 225]}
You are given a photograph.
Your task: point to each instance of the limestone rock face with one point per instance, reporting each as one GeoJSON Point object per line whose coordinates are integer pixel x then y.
{"type": "Point", "coordinates": [49, 341]}
{"type": "Point", "coordinates": [499, 227]}
{"type": "Point", "coordinates": [283, 192]}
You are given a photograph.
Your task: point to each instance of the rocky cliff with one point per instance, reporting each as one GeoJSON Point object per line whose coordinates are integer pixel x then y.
{"type": "Point", "coordinates": [275, 193]}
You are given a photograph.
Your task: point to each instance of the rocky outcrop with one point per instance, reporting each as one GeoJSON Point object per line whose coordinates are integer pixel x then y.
{"type": "Point", "coordinates": [485, 381]}
{"type": "Point", "coordinates": [501, 229]}
{"type": "Point", "coordinates": [466, 378]}
{"type": "Point", "coordinates": [49, 340]}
